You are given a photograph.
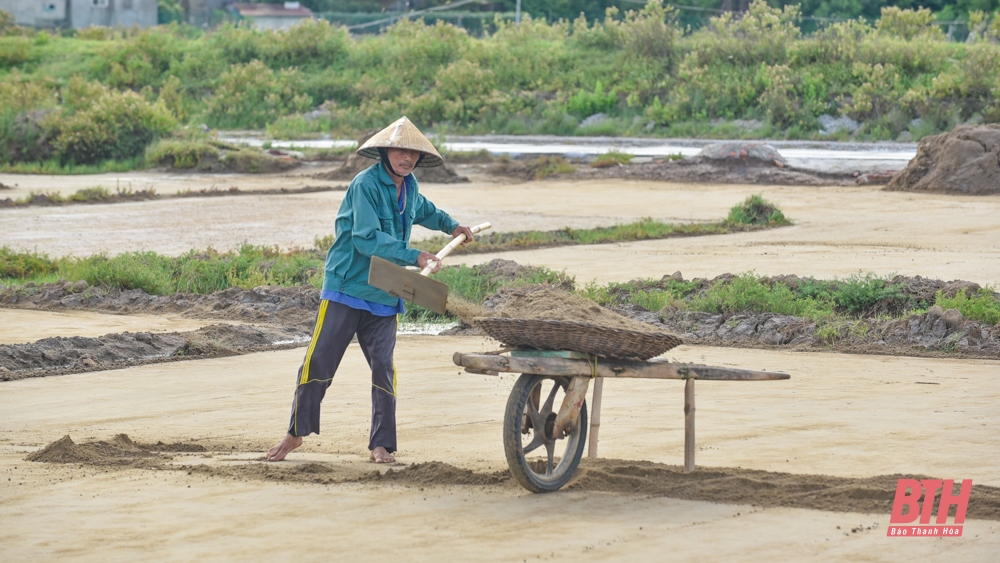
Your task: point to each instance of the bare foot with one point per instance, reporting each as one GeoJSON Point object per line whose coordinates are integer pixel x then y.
{"type": "Point", "coordinates": [380, 455]}
{"type": "Point", "coordinates": [284, 447]}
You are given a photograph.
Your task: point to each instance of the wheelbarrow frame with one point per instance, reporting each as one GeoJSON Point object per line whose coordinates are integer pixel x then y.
{"type": "Point", "coordinates": [582, 368]}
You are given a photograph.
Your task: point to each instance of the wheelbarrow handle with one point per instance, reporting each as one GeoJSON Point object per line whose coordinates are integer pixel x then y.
{"type": "Point", "coordinates": [452, 245]}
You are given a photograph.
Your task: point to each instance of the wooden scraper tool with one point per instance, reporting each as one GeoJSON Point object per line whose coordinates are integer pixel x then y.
{"type": "Point", "coordinates": [411, 286]}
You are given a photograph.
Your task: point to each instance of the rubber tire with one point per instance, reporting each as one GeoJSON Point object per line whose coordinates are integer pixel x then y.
{"type": "Point", "coordinates": [513, 415]}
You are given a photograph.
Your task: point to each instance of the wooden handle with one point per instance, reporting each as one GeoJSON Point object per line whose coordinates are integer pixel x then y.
{"type": "Point", "coordinates": [453, 244]}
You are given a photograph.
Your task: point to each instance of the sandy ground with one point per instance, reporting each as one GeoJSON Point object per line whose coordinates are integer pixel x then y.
{"type": "Point", "coordinates": [841, 415]}
{"type": "Point", "coordinates": [838, 231]}
{"type": "Point", "coordinates": [838, 415]}
{"type": "Point", "coordinates": [23, 325]}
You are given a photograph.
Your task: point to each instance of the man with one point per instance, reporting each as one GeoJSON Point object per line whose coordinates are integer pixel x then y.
{"type": "Point", "coordinates": [379, 209]}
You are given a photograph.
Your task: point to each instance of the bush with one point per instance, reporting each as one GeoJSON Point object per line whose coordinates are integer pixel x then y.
{"type": "Point", "coordinates": [538, 77]}
{"type": "Point", "coordinates": [756, 211]}
{"type": "Point", "coordinates": [584, 103]}
{"type": "Point", "coordinates": [27, 137]}
{"type": "Point", "coordinates": [24, 265]}
{"type": "Point", "coordinates": [169, 11]}
{"type": "Point", "coordinates": [982, 306]}
{"type": "Point", "coordinates": [19, 93]}
{"type": "Point", "coordinates": [252, 95]}
{"type": "Point", "coordinates": [14, 50]}
{"type": "Point", "coordinates": [143, 59]}
{"type": "Point", "coordinates": [119, 126]}
{"type": "Point", "coordinates": [908, 24]}
{"type": "Point", "coordinates": [749, 293]}
{"type": "Point", "coordinates": [178, 153]}
{"type": "Point", "coordinates": [869, 294]}
{"type": "Point", "coordinates": [132, 270]}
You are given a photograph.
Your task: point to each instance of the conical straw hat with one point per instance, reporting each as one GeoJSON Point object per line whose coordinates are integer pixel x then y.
{"type": "Point", "coordinates": [402, 134]}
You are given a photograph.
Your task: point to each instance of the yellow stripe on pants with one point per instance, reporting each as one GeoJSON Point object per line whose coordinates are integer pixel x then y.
{"type": "Point", "coordinates": [312, 344]}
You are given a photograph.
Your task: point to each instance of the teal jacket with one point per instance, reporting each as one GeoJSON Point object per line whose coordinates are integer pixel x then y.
{"type": "Point", "coordinates": [368, 224]}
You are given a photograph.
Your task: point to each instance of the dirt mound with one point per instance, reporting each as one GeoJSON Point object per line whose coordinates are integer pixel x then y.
{"type": "Point", "coordinates": [547, 302]}
{"type": "Point", "coordinates": [937, 332]}
{"type": "Point", "coordinates": [702, 169]}
{"type": "Point", "coordinates": [59, 355]}
{"type": "Point", "coordinates": [355, 163]}
{"type": "Point", "coordinates": [729, 485]}
{"type": "Point", "coordinates": [964, 161]}
{"type": "Point", "coordinates": [443, 174]}
{"type": "Point", "coordinates": [118, 451]}
{"type": "Point", "coordinates": [726, 485]}
{"type": "Point", "coordinates": [178, 447]}
{"type": "Point", "coordinates": [286, 306]}
{"type": "Point", "coordinates": [743, 151]}
{"type": "Point", "coordinates": [512, 168]}
{"type": "Point", "coordinates": [438, 473]}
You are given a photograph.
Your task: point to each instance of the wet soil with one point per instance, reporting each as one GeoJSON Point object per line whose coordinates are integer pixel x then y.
{"type": "Point", "coordinates": [873, 495]}
{"type": "Point", "coordinates": [60, 355]}
{"type": "Point", "coordinates": [700, 169]}
{"type": "Point", "coordinates": [293, 307]}
{"type": "Point", "coordinates": [43, 199]}
{"type": "Point", "coordinates": [285, 317]}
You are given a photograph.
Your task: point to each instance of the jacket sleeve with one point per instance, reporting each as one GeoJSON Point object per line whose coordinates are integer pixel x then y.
{"type": "Point", "coordinates": [370, 239]}
{"type": "Point", "coordinates": [427, 215]}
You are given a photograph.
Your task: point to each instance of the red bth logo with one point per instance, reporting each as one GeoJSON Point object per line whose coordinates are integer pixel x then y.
{"type": "Point", "coordinates": [906, 508]}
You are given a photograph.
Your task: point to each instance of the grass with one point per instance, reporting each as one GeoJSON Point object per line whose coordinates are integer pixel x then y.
{"type": "Point", "coordinates": [546, 166]}
{"type": "Point", "coordinates": [644, 229]}
{"type": "Point", "coordinates": [841, 308]}
{"type": "Point", "coordinates": [54, 167]}
{"type": "Point", "coordinates": [96, 194]}
{"type": "Point", "coordinates": [751, 293]}
{"type": "Point", "coordinates": [194, 272]}
{"type": "Point", "coordinates": [754, 213]}
{"type": "Point", "coordinates": [612, 158]}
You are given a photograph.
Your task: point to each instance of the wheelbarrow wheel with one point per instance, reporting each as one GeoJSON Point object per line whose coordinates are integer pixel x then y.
{"type": "Point", "coordinates": [539, 461]}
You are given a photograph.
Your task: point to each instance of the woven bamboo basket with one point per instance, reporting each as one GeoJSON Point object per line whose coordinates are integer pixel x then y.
{"type": "Point", "coordinates": [590, 338]}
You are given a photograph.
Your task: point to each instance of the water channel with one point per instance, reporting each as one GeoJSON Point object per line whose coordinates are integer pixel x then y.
{"type": "Point", "coordinates": [822, 156]}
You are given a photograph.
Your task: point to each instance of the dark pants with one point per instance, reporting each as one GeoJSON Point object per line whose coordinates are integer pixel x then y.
{"type": "Point", "coordinates": [336, 326]}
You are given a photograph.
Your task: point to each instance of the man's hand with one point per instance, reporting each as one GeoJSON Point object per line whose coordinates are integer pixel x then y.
{"type": "Point", "coordinates": [461, 229]}
{"type": "Point", "coordinates": [426, 258]}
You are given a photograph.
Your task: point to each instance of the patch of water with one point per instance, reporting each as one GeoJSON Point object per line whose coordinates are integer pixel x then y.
{"type": "Point", "coordinates": [822, 156]}
{"type": "Point", "coordinates": [424, 328]}
{"type": "Point", "coordinates": [297, 340]}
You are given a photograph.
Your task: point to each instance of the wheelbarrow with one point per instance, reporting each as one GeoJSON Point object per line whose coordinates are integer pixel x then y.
{"type": "Point", "coordinates": [545, 422]}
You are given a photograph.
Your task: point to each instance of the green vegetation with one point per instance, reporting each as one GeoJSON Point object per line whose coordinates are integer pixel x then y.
{"type": "Point", "coordinates": [754, 213]}
{"type": "Point", "coordinates": [757, 211]}
{"type": "Point", "coordinates": [841, 308]}
{"type": "Point", "coordinates": [193, 272]}
{"type": "Point", "coordinates": [750, 293]}
{"type": "Point", "coordinates": [546, 166]}
{"type": "Point", "coordinates": [612, 158]}
{"type": "Point", "coordinates": [981, 306]}
{"type": "Point", "coordinates": [644, 229]}
{"type": "Point", "coordinates": [177, 153]}
{"type": "Point", "coordinates": [96, 95]}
